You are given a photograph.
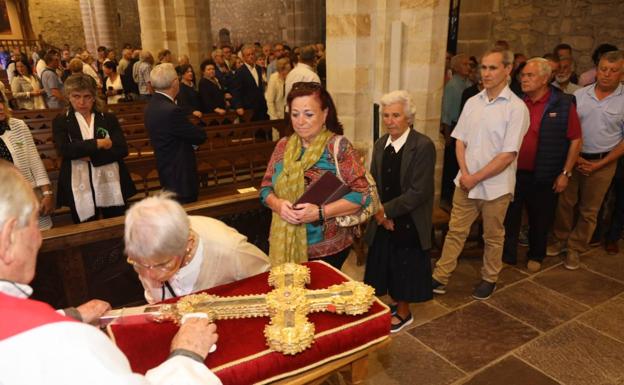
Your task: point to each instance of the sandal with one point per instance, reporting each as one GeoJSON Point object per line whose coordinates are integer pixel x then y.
{"type": "Point", "coordinates": [395, 328]}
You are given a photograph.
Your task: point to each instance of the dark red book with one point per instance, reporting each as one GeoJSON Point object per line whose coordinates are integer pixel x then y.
{"type": "Point", "coordinates": [326, 189]}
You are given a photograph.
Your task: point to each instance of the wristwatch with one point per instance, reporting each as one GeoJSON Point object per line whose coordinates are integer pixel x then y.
{"type": "Point", "coordinates": [566, 173]}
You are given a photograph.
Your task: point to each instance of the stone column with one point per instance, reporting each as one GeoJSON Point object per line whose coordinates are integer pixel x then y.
{"type": "Point", "coordinates": [304, 22]}
{"type": "Point", "coordinates": [358, 62]}
{"type": "Point", "coordinates": [192, 20]}
{"type": "Point", "coordinates": [182, 26]}
{"type": "Point", "coordinates": [98, 20]}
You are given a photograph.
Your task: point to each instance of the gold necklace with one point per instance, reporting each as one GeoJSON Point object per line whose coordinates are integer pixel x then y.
{"type": "Point", "coordinates": [189, 252]}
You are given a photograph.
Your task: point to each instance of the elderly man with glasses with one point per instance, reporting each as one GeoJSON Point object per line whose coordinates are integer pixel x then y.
{"type": "Point", "coordinates": [176, 254]}
{"type": "Point", "coordinates": [39, 345]}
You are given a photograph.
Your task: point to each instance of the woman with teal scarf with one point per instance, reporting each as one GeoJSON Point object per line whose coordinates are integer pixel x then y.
{"type": "Point", "coordinates": [307, 231]}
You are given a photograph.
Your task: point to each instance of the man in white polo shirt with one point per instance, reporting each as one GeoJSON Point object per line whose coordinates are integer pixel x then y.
{"type": "Point", "coordinates": [489, 134]}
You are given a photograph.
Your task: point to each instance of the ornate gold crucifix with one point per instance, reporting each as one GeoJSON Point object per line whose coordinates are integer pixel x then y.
{"type": "Point", "coordinates": [288, 305]}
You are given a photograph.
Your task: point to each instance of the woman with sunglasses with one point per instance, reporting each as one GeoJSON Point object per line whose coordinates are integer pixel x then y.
{"type": "Point", "coordinates": [93, 180]}
{"type": "Point", "coordinates": [307, 231]}
{"type": "Point", "coordinates": [176, 254]}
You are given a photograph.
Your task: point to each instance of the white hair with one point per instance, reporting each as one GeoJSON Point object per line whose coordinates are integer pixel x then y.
{"type": "Point", "coordinates": [17, 199]}
{"type": "Point", "coordinates": [162, 76]}
{"type": "Point", "coordinates": [156, 227]}
{"type": "Point", "coordinates": [400, 96]}
{"type": "Point", "coordinates": [457, 59]}
{"type": "Point", "coordinates": [544, 69]}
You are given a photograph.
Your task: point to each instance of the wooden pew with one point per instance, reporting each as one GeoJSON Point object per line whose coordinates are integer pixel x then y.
{"type": "Point", "coordinates": [73, 250]}
{"type": "Point", "coordinates": [233, 156]}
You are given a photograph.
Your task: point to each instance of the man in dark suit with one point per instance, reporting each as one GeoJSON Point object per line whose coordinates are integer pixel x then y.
{"type": "Point", "coordinates": [172, 136]}
{"type": "Point", "coordinates": [247, 87]}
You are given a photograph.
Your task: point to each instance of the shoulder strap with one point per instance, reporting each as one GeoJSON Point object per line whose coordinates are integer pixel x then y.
{"type": "Point", "coordinates": [335, 153]}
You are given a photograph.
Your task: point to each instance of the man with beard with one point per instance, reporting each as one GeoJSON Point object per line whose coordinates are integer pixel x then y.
{"type": "Point", "coordinates": [563, 78]}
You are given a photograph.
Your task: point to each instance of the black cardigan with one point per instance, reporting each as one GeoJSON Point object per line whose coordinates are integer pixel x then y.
{"type": "Point", "coordinates": [70, 145]}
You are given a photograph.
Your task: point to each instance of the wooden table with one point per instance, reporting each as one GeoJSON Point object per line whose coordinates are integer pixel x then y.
{"type": "Point", "coordinates": [353, 367]}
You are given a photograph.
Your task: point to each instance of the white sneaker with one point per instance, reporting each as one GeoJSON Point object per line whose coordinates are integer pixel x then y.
{"type": "Point", "coordinates": [555, 248]}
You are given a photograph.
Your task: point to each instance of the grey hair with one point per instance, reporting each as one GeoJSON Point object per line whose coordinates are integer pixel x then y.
{"type": "Point", "coordinates": [400, 96]}
{"type": "Point", "coordinates": [17, 199]}
{"type": "Point", "coordinates": [146, 55]}
{"type": "Point", "coordinates": [542, 65]}
{"type": "Point", "coordinates": [455, 60]}
{"type": "Point", "coordinates": [246, 47]}
{"type": "Point", "coordinates": [613, 56]}
{"type": "Point", "coordinates": [508, 56]}
{"type": "Point", "coordinates": [79, 82]}
{"type": "Point", "coordinates": [216, 52]}
{"type": "Point", "coordinates": [156, 227]}
{"type": "Point", "coordinates": [162, 76]}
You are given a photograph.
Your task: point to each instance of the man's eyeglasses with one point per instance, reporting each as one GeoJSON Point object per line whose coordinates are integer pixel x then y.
{"type": "Point", "coordinates": [165, 267]}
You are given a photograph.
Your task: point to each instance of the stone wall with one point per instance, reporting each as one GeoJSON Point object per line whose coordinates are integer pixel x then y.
{"type": "Point", "coordinates": [59, 21]}
{"type": "Point", "coordinates": [249, 20]}
{"type": "Point", "coordinates": [127, 20]}
{"type": "Point", "coordinates": [365, 61]}
{"type": "Point", "coordinates": [534, 27]}
{"type": "Point", "coordinates": [296, 22]}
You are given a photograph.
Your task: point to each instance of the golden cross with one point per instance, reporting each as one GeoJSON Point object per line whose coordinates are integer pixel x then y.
{"type": "Point", "coordinates": [288, 305]}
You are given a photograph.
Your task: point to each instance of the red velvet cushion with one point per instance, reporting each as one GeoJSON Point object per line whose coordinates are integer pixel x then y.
{"type": "Point", "coordinates": [242, 356]}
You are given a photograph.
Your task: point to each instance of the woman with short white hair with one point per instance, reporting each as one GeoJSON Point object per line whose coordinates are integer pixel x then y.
{"type": "Point", "coordinates": [176, 254]}
{"type": "Point", "coordinates": [399, 236]}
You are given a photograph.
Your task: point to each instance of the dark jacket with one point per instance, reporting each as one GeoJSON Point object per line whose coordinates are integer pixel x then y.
{"type": "Point", "coordinates": [247, 94]}
{"type": "Point", "coordinates": [172, 136]}
{"type": "Point", "coordinates": [188, 99]}
{"type": "Point", "coordinates": [553, 144]}
{"type": "Point", "coordinates": [211, 96]}
{"type": "Point", "coordinates": [70, 145]}
{"type": "Point", "coordinates": [417, 169]}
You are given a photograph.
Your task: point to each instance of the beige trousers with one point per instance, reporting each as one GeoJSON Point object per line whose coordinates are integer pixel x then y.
{"type": "Point", "coordinates": [465, 211]}
{"type": "Point", "coordinates": [588, 192]}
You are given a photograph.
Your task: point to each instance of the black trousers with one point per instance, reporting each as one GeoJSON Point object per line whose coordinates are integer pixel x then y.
{"type": "Point", "coordinates": [338, 259]}
{"type": "Point", "coordinates": [104, 212]}
{"type": "Point", "coordinates": [449, 172]}
{"type": "Point", "coordinates": [540, 201]}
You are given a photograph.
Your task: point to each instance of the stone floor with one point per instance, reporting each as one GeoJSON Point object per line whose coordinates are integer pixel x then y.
{"type": "Point", "coordinates": [553, 327]}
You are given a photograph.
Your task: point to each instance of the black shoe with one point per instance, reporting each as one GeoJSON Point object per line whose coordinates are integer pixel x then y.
{"type": "Point", "coordinates": [438, 288]}
{"type": "Point", "coordinates": [509, 261]}
{"type": "Point", "coordinates": [484, 290]}
{"type": "Point", "coordinates": [404, 322]}
{"type": "Point", "coordinates": [393, 308]}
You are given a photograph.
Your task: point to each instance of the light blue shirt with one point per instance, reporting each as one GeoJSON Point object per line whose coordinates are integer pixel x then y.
{"type": "Point", "coordinates": [488, 128]}
{"type": "Point", "coordinates": [451, 99]}
{"type": "Point", "coordinates": [602, 121]}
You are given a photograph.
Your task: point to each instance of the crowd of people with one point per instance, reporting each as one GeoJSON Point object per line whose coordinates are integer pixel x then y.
{"type": "Point", "coordinates": [531, 135]}
{"type": "Point", "coordinates": [519, 133]}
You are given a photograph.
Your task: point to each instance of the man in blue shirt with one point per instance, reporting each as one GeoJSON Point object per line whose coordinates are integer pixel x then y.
{"type": "Point", "coordinates": [451, 105]}
{"type": "Point", "coordinates": [601, 111]}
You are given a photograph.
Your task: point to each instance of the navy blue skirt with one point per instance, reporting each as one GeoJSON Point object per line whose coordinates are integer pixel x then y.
{"type": "Point", "coordinates": [402, 272]}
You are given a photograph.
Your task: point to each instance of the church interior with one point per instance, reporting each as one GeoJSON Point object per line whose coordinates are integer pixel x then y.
{"type": "Point", "coordinates": [545, 327]}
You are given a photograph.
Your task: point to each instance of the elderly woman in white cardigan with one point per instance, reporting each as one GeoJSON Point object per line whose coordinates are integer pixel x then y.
{"type": "Point", "coordinates": [18, 147]}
